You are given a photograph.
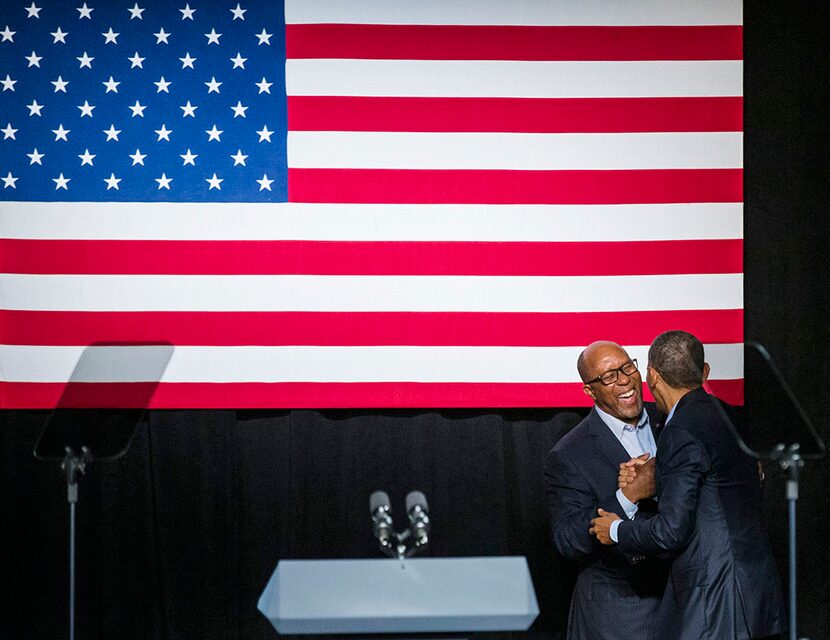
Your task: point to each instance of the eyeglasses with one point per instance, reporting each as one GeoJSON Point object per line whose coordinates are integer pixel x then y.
{"type": "Point", "coordinates": [612, 375]}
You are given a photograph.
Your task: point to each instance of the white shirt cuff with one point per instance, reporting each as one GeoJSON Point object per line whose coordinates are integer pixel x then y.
{"type": "Point", "coordinates": [629, 507]}
{"type": "Point", "coordinates": [613, 531]}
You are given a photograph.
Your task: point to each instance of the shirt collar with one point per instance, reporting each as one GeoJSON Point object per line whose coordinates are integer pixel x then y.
{"type": "Point", "coordinates": [616, 425]}
{"type": "Point", "coordinates": [671, 413]}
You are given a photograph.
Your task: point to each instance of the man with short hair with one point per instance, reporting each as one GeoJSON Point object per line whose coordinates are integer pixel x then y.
{"type": "Point", "coordinates": [614, 598]}
{"type": "Point", "coordinates": [723, 582]}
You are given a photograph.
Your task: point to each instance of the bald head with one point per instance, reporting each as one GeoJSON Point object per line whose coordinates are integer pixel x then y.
{"type": "Point", "coordinates": [593, 353]}
{"type": "Point", "coordinates": [622, 398]}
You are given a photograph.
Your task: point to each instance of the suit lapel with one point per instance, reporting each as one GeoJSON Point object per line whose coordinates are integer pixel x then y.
{"type": "Point", "coordinates": [606, 441]}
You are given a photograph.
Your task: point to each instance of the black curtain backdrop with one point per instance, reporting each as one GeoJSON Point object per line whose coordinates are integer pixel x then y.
{"type": "Point", "coordinates": [178, 538]}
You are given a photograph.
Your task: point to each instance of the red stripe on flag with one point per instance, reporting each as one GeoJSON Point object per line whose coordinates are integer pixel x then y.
{"type": "Point", "coordinates": [486, 42]}
{"type": "Point", "coordinates": [525, 115]}
{"type": "Point", "coordinates": [218, 328]}
{"type": "Point", "coordinates": [311, 395]}
{"type": "Point", "coordinates": [730, 391]}
{"type": "Point", "coordinates": [416, 186]}
{"type": "Point", "coordinates": [231, 257]}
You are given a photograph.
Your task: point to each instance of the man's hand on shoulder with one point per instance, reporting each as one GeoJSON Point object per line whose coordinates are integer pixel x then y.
{"type": "Point", "coordinates": [601, 527]}
{"type": "Point", "coordinates": [636, 478]}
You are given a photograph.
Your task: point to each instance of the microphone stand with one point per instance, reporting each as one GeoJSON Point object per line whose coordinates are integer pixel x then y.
{"type": "Point", "coordinates": [791, 462]}
{"type": "Point", "coordinates": [400, 549]}
{"type": "Point", "coordinates": [789, 441]}
{"type": "Point", "coordinates": [73, 465]}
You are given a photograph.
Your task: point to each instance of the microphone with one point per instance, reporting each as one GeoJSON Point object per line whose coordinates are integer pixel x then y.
{"type": "Point", "coordinates": [418, 511]}
{"type": "Point", "coordinates": [379, 507]}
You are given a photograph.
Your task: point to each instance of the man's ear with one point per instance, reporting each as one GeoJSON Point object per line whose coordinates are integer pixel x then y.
{"type": "Point", "coordinates": [653, 376]}
{"type": "Point", "coordinates": [705, 372]}
{"type": "Point", "coordinates": [586, 389]}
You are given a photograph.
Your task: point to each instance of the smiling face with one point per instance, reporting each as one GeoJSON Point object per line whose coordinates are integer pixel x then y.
{"type": "Point", "coordinates": [624, 398]}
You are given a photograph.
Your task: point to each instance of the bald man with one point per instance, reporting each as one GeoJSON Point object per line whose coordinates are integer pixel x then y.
{"type": "Point", "coordinates": [616, 596]}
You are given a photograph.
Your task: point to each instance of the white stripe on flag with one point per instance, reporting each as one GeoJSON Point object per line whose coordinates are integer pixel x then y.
{"type": "Point", "coordinates": [370, 222]}
{"type": "Point", "coordinates": [333, 364]}
{"type": "Point", "coordinates": [552, 151]}
{"type": "Point", "coordinates": [517, 12]}
{"type": "Point", "coordinates": [459, 78]}
{"type": "Point", "coordinates": [371, 293]}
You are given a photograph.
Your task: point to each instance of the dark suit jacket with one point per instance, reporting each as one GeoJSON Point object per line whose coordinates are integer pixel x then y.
{"type": "Point", "coordinates": [723, 582]}
{"type": "Point", "coordinates": [614, 598]}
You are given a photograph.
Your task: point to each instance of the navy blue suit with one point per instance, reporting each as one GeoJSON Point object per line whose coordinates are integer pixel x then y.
{"type": "Point", "coordinates": [614, 598]}
{"type": "Point", "coordinates": [723, 582]}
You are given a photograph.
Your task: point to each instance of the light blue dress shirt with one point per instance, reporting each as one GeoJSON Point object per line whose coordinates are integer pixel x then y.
{"type": "Point", "coordinates": [636, 441]}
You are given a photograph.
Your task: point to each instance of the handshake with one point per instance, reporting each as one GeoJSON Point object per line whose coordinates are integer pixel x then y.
{"type": "Point", "coordinates": [637, 482]}
{"type": "Point", "coordinates": [636, 478]}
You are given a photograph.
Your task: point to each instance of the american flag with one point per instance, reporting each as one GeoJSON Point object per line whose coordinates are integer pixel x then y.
{"type": "Point", "coordinates": [372, 203]}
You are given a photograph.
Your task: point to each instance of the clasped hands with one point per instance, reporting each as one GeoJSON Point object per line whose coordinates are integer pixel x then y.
{"type": "Point", "coordinates": [636, 480]}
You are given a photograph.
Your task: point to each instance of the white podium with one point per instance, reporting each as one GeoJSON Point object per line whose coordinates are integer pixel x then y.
{"type": "Point", "coordinates": [413, 595]}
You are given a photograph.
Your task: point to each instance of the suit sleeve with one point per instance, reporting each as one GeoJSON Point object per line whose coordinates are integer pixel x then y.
{"type": "Point", "coordinates": [682, 463]}
{"type": "Point", "coordinates": [571, 506]}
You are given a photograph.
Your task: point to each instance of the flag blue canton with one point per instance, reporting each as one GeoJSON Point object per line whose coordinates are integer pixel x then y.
{"type": "Point", "coordinates": [143, 101]}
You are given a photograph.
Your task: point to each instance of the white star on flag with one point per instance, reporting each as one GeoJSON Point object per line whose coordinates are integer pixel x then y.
{"type": "Point", "coordinates": [239, 110]}
{"type": "Point", "coordinates": [264, 182]}
{"type": "Point", "coordinates": [86, 108]}
{"type": "Point", "coordinates": [138, 157]}
{"type": "Point", "coordinates": [215, 183]}
{"type": "Point", "coordinates": [9, 181]}
{"type": "Point", "coordinates": [188, 110]}
{"type": "Point", "coordinates": [162, 36]}
{"type": "Point", "coordinates": [60, 84]}
{"type": "Point", "coordinates": [7, 34]}
{"type": "Point", "coordinates": [214, 133]}
{"type": "Point", "coordinates": [213, 37]}
{"type": "Point", "coordinates": [35, 157]}
{"type": "Point", "coordinates": [61, 133]}
{"type": "Point", "coordinates": [59, 36]}
{"type": "Point", "coordinates": [163, 133]}
{"type": "Point", "coordinates": [112, 182]}
{"type": "Point", "coordinates": [61, 182]}
{"type": "Point", "coordinates": [238, 61]}
{"type": "Point", "coordinates": [238, 13]}
{"type": "Point", "coordinates": [264, 38]}
{"type": "Point", "coordinates": [189, 158]}
{"type": "Point", "coordinates": [85, 60]}
{"type": "Point", "coordinates": [33, 11]}
{"type": "Point", "coordinates": [162, 85]}
{"type": "Point", "coordinates": [84, 12]}
{"type": "Point", "coordinates": [265, 134]}
{"type": "Point", "coordinates": [110, 37]}
{"type": "Point", "coordinates": [8, 83]}
{"type": "Point", "coordinates": [111, 85]}
{"type": "Point", "coordinates": [187, 12]}
{"type": "Point", "coordinates": [86, 158]}
{"type": "Point", "coordinates": [164, 182]}
{"type": "Point", "coordinates": [239, 158]}
{"type": "Point", "coordinates": [213, 85]}
{"type": "Point", "coordinates": [136, 61]}
{"type": "Point", "coordinates": [187, 61]}
{"type": "Point", "coordinates": [34, 108]}
{"type": "Point", "coordinates": [112, 133]}
{"type": "Point", "coordinates": [137, 109]}
{"type": "Point", "coordinates": [9, 132]}
{"type": "Point", "coordinates": [136, 12]}
{"type": "Point", "coordinates": [34, 60]}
